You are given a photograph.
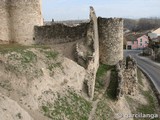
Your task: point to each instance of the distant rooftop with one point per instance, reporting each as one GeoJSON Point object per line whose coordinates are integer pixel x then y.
{"type": "Point", "coordinates": [133, 36]}
{"type": "Point", "coordinates": [157, 31]}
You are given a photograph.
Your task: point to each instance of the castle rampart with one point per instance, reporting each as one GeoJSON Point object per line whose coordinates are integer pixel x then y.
{"type": "Point", "coordinates": [102, 38]}
{"type": "Point", "coordinates": [93, 63]}
{"type": "Point", "coordinates": [60, 33]}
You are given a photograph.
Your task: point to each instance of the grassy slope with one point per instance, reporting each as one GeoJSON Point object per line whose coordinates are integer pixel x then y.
{"type": "Point", "coordinates": [22, 60]}
{"type": "Point", "coordinates": [150, 108]}
{"type": "Point", "coordinates": [72, 105]}
{"type": "Point", "coordinates": [104, 111]}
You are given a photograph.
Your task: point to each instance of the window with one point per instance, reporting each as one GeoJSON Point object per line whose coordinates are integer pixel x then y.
{"type": "Point", "coordinates": [146, 42]}
{"type": "Point", "coordinates": [140, 40]}
{"type": "Point", "coordinates": [129, 47]}
{"type": "Point", "coordinates": [141, 44]}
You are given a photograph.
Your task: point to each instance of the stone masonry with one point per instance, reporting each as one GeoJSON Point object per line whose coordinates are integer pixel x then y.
{"type": "Point", "coordinates": [127, 77]}
{"type": "Point", "coordinates": [110, 40]}
{"type": "Point", "coordinates": [86, 48]}
{"type": "Point", "coordinates": [102, 38]}
{"type": "Point", "coordinates": [4, 22]}
{"type": "Point", "coordinates": [17, 20]}
{"type": "Point", "coordinates": [93, 61]}
{"type": "Point", "coordinates": [60, 33]}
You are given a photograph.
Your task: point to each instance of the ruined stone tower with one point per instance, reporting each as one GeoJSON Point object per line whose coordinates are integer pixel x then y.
{"type": "Point", "coordinates": [19, 18]}
{"type": "Point", "coordinates": [110, 40]}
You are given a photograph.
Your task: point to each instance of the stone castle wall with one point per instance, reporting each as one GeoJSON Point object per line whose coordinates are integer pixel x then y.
{"type": "Point", "coordinates": [21, 16]}
{"type": "Point", "coordinates": [102, 38]}
{"type": "Point", "coordinates": [110, 40]}
{"type": "Point", "coordinates": [60, 33]}
{"type": "Point", "coordinates": [93, 62]}
{"type": "Point", "coordinates": [127, 77]}
{"type": "Point", "coordinates": [103, 32]}
{"type": "Point", "coordinates": [4, 22]}
{"type": "Point", "coordinates": [25, 14]}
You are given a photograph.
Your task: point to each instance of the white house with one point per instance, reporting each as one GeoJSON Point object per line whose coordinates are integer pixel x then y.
{"type": "Point", "coordinates": [154, 34]}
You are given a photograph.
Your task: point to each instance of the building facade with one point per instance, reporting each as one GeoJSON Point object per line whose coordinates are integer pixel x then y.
{"type": "Point", "coordinates": [139, 43]}
{"type": "Point", "coordinates": [142, 42]}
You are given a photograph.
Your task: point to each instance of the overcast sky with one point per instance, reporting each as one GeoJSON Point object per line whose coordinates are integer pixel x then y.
{"type": "Point", "coordinates": [79, 9]}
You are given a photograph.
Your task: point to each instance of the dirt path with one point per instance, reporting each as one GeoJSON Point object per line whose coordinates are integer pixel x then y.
{"type": "Point", "coordinates": [92, 113]}
{"type": "Point", "coordinates": [94, 103]}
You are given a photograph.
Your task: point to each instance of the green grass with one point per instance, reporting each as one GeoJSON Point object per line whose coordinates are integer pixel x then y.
{"type": "Point", "coordinates": [25, 56]}
{"type": "Point", "coordinates": [103, 111]}
{"type": "Point", "coordinates": [19, 115]}
{"type": "Point", "coordinates": [103, 68]}
{"type": "Point", "coordinates": [139, 75]}
{"type": "Point", "coordinates": [52, 66]}
{"type": "Point", "coordinates": [6, 85]}
{"type": "Point", "coordinates": [28, 56]}
{"type": "Point", "coordinates": [51, 54]}
{"type": "Point", "coordinates": [132, 103]}
{"type": "Point", "coordinates": [150, 108]}
{"type": "Point", "coordinates": [72, 106]}
{"type": "Point", "coordinates": [137, 107]}
{"type": "Point", "coordinates": [18, 52]}
{"type": "Point", "coordinates": [45, 109]}
{"type": "Point", "coordinates": [113, 85]}
{"type": "Point", "coordinates": [100, 82]}
{"type": "Point", "coordinates": [7, 48]}
{"type": "Point", "coordinates": [22, 61]}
